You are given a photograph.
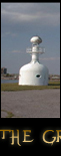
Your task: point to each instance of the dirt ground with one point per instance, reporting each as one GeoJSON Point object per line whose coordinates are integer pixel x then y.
{"type": "Point", "coordinates": [31, 104]}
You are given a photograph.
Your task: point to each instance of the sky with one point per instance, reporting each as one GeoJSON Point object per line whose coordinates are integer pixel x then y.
{"type": "Point", "coordinates": [19, 23]}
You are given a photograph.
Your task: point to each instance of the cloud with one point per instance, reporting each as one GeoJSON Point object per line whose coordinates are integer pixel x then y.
{"type": "Point", "coordinates": [50, 58]}
{"type": "Point", "coordinates": [8, 33]}
{"type": "Point", "coordinates": [47, 14]}
{"type": "Point", "coordinates": [15, 51]}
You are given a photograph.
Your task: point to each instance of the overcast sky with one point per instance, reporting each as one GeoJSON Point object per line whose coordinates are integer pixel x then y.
{"type": "Point", "coordinates": [20, 22]}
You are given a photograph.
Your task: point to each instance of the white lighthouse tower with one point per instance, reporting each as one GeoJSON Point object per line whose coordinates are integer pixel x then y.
{"type": "Point", "coordinates": [34, 73]}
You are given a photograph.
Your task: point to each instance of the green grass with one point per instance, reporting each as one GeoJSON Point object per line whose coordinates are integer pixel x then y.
{"type": "Point", "coordinates": [16, 87]}
{"type": "Point", "coordinates": [9, 114]}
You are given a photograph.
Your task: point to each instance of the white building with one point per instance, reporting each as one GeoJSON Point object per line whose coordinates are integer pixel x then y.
{"type": "Point", "coordinates": [34, 73]}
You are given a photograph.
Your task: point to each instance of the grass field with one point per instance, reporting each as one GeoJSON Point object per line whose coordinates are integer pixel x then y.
{"type": "Point", "coordinates": [16, 87]}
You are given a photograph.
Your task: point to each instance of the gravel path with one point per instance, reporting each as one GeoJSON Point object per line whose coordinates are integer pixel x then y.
{"type": "Point", "coordinates": [31, 104]}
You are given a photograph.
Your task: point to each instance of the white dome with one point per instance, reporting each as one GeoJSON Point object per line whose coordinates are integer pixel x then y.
{"type": "Point", "coordinates": [36, 39]}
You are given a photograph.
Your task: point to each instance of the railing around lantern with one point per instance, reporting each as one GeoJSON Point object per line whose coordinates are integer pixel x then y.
{"type": "Point", "coordinates": [40, 50]}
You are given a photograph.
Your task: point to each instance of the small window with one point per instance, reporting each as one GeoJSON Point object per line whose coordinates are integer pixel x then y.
{"type": "Point", "coordinates": [38, 76]}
